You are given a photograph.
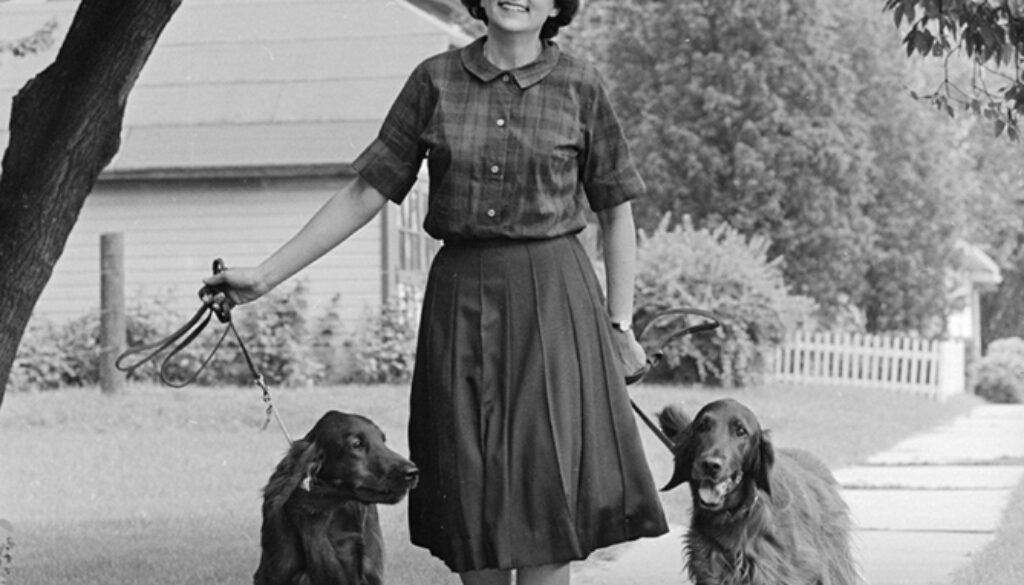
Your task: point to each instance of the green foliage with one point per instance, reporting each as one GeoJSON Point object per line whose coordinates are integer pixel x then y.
{"type": "Point", "coordinates": [788, 119]}
{"type": "Point", "coordinates": [999, 375]}
{"type": "Point", "coordinates": [990, 33]}
{"type": "Point", "coordinates": [277, 334]}
{"type": "Point", "coordinates": [52, 356]}
{"type": "Point", "coordinates": [748, 122]}
{"type": "Point", "coordinates": [275, 330]}
{"type": "Point", "coordinates": [384, 351]}
{"type": "Point", "coordinates": [724, 272]}
{"type": "Point", "coordinates": [920, 185]}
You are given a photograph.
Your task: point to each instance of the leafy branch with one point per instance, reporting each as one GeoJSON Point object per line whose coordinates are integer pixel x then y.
{"type": "Point", "coordinates": [990, 33]}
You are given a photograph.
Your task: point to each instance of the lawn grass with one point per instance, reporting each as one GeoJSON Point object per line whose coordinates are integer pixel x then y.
{"type": "Point", "coordinates": [160, 486]}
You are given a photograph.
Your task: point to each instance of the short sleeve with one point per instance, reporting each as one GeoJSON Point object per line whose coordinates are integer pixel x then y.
{"type": "Point", "coordinates": [391, 163]}
{"type": "Point", "coordinates": [608, 173]}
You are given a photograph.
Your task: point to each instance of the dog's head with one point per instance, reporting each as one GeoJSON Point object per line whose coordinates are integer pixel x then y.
{"type": "Point", "coordinates": [720, 452]}
{"type": "Point", "coordinates": [345, 456]}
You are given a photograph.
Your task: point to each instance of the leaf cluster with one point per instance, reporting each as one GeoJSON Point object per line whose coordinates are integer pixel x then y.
{"type": "Point", "coordinates": [990, 33]}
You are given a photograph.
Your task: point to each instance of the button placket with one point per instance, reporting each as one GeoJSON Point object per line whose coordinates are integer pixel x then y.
{"type": "Point", "coordinates": [498, 136]}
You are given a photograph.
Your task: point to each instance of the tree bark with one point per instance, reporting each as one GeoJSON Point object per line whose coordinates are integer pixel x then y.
{"type": "Point", "coordinates": [65, 128]}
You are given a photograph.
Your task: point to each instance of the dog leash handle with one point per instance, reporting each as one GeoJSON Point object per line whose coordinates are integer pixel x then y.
{"type": "Point", "coordinates": [710, 322]}
{"type": "Point", "coordinates": [221, 310]}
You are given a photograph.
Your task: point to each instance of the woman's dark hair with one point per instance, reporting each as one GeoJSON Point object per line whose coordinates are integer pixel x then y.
{"type": "Point", "coordinates": [566, 12]}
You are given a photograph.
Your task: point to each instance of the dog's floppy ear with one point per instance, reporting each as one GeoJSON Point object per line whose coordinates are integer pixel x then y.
{"type": "Point", "coordinates": [673, 422]}
{"type": "Point", "coordinates": [303, 459]}
{"type": "Point", "coordinates": [763, 458]}
{"type": "Point", "coordinates": [676, 426]}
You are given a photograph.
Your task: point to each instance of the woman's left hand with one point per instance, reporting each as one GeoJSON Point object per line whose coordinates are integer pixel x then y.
{"type": "Point", "coordinates": [631, 355]}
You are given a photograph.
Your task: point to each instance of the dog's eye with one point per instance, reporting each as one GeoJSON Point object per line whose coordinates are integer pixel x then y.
{"type": "Point", "coordinates": [741, 432]}
{"type": "Point", "coordinates": [357, 443]}
{"type": "Point", "coordinates": [703, 425]}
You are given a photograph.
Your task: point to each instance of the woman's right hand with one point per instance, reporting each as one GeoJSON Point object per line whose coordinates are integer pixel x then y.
{"type": "Point", "coordinates": [233, 286]}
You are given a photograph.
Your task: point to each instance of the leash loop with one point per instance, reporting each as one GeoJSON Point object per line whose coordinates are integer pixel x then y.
{"type": "Point", "coordinates": [185, 335]}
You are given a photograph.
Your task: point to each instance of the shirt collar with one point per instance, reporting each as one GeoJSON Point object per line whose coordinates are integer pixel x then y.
{"type": "Point", "coordinates": [474, 61]}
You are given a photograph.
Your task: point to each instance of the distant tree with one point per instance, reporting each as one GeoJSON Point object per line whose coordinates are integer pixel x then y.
{"type": "Point", "coordinates": [788, 119]}
{"type": "Point", "coordinates": [65, 128]}
{"type": "Point", "coordinates": [980, 44]}
{"type": "Point", "coordinates": [997, 224]}
{"type": "Point", "coordinates": [922, 178]}
{"type": "Point", "coordinates": [989, 34]}
{"type": "Point", "coordinates": [739, 111]}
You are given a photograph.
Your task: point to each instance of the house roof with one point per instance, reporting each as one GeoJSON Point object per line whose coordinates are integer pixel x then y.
{"type": "Point", "coordinates": [235, 85]}
{"type": "Point", "coordinates": [977, 267]}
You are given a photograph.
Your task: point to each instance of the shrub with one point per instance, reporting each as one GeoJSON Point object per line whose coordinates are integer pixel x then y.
{"type": "Point", "coordinates": [331, 348]}
{"type": "Point", "coordinates": [999, 375]}
{"type": "Point", "coordinates": [385, 350]}
{"type": "Point", "coordinates": [275, 331]}
{"type": "Point", "coordinates": [52, 356]}
{"type": "Point", "coordinates": [721, 271]}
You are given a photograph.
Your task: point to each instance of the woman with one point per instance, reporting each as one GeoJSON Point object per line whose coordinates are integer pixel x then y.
{"type": "Point", "coordinates": [520, 422]}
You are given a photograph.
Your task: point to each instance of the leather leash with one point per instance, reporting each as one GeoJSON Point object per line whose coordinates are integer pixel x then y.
{"type": "Point", "coordinates": [185, 335]}
{"type": "Point", "coordinates": [711, 322]}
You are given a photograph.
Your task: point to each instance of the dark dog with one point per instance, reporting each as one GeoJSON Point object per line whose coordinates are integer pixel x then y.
{"type": "Point", "coordinates": [759, 517]}
{"type": "Point", "coordinates": [320, 521]}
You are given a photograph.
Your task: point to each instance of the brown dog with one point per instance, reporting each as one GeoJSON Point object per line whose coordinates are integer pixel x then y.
{"type": "Point", "coordinates": [759, 517]}
{"type": "Point", "coordinates": [320, 521]}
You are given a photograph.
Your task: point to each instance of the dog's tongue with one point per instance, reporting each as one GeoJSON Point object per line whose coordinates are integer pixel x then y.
{"type": "Point", "coordinates": [713, 494]}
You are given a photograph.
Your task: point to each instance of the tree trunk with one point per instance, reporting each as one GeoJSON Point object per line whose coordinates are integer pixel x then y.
{"type": "Point", "coordinates": [65, 128]}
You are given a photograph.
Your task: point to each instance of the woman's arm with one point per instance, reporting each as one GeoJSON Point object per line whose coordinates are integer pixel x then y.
{"type": "Point", "coordinates": [343, 214]}
{"type": "Point", "coordinates": [618, 234]}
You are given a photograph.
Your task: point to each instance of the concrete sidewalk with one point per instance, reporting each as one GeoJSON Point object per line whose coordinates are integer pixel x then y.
{"type": "Point", "coordinates": [921, 509]}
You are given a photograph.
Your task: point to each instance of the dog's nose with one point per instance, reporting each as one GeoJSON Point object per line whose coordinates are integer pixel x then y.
{"type": "Point", "coordinates": [711, 466]}
{"type": "Point", "coordinates": [412, 475]}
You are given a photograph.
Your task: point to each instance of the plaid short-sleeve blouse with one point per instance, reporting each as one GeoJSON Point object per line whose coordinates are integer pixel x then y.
{"type": "Point", "coordinates": [516, 154]}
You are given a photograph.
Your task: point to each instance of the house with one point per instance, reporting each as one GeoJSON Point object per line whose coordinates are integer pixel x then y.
{"type": "Point", "coordinates": [243, 122]}
{"type": "Point", "coordinates": [976, 274]}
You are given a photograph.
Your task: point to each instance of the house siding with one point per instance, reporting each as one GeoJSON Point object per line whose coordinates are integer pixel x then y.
{"type": "Point", "coordinates": [174, 229]}
{"type": "Point", "coordinates": [242, 123]}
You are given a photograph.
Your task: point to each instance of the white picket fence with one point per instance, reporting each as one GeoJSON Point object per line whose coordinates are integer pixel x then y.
{"type": "Point", "coordinates": [927, 367]}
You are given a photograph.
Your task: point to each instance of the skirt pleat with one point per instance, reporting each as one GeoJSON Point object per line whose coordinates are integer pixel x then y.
{"type": "Point", "coordinates": [520, 422]}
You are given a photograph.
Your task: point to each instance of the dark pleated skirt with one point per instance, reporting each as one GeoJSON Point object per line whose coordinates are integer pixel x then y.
{"type": "Point", "coordinates": [520, 422]}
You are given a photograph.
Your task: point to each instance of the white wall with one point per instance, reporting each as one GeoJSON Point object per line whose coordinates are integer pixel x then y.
{"type": "Point", "coordinates": [174, 230]}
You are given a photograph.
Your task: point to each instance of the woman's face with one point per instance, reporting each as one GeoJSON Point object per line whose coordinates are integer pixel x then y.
{"type": "Point", "coordinates": [519, 16]}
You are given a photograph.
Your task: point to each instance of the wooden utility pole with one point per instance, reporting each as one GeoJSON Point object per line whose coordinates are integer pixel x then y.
{"type": "Point", "coordinates": [112, 314]}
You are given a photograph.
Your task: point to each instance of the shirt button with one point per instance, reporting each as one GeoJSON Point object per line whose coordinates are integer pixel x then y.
{"type": "Point", "coordinates": [506, 78]}
{"type": "Point", "coordinates": [500, 122]}
{"type": "Point", "coordinates": [495, 169]}
{"type": "Point", "coordinates": [491, 213]}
